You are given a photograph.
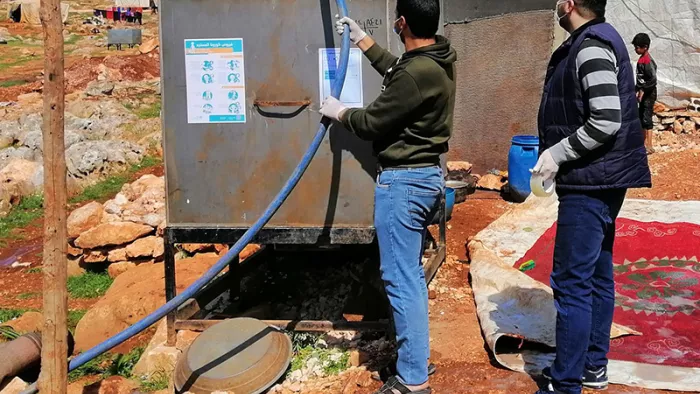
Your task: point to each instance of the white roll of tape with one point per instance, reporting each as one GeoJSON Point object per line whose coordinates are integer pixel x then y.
{"type": "Point", "coordinates": [540, 187]}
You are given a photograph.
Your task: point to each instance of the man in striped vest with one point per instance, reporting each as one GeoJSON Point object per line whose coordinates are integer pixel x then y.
{"type": "Point", "coordinates": [593, 146]}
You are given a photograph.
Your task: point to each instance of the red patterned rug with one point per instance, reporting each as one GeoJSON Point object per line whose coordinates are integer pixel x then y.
{"type": "Point", "coordinates": [657, 277]}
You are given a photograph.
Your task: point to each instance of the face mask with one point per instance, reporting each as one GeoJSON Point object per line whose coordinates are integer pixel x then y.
{"type": "Point", "coordinates": [560, 18]}
{"type": "Point", "coordinates": [396, 29]}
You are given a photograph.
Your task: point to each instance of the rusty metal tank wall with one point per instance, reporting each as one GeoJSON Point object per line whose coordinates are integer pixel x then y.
{"type": "Point", "coordinates": [503, 48]}
{"type": "Point", "coordinates": [224, 175]}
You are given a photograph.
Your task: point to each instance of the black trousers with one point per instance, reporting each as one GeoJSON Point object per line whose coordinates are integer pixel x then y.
{"type": "Point", "coordinates": [646, 108]}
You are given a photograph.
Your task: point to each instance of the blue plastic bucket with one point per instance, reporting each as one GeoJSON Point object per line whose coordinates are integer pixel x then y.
{"type": "Point", "coordinates": [449, 202]}
{"type": "Point", "coordinates": [521, 158]}
{"type": "Point", "coordinates": [449, 205]}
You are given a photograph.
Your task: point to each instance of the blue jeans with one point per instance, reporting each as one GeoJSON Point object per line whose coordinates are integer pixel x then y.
{"type": "Point", "coordinates": [583, 284]}
{"type": "Point", "coordinates": [404, 203]}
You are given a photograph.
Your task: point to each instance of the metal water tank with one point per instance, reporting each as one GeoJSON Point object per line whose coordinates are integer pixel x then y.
{"type": "Point", "coordinates": [242, 82]}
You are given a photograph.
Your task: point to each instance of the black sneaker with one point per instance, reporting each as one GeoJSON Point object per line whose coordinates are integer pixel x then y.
{"type": "Point", "coordinates": [596, 380]}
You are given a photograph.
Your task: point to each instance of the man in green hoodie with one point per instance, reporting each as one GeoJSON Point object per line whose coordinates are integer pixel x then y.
{"type": "Point", "coordinates": [410, 124]}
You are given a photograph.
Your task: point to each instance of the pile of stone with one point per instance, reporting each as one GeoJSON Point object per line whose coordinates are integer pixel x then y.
{"type": "Point", "coordinates": [90, 154]}
{"type": "Point", "coordinates": [124, 231]}
{"type": "Point", "coordinates": [683, 121]}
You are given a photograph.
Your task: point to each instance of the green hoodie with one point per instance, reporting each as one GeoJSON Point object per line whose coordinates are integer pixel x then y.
{"type": "Point", "coordinates": [411, 121]}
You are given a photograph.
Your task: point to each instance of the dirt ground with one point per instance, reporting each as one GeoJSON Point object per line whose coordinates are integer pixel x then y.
{"type": "Point", "coordinates": [458, 349]}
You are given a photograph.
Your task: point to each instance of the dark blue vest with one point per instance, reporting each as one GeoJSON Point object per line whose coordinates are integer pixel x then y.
{"type": "Point", "coordinates": [620, 162]}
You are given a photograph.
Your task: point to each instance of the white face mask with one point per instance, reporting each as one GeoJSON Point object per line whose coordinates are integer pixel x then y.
{"type": "Point", "coordinates": [560, 17]}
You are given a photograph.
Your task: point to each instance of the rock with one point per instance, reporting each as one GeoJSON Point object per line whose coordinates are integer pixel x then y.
{"type": "Point", "coordinates": [185, 339]}
{"type": "Point", "coordinates": [75, 267]}
{"type": "Point", "coordinates": [463, 166]}
{"type": "Point", "coordinates": [153, 219]}
{"type": "Point", "coordinates": [116, 269]}
{"type": "Point", "coordinates": [697, 121]}
{"type": "Point", "coordinates": [115, 233]}
{"type": "Point", "coordinates": [358, 358]}
{"type": "Point", "coordinates": [74, 252]}
{"type": "Point", "coordinates": [689, 127]}
{"type": "Point", "coordinates": [221, 249]}
{"type": "Point", "coordinates": [28, 52]}
{"type": "Point", "coordinates": [28, 322]}
{"type": "Point", "coordinates": [29, 99]}
{"type": "Point", "coordinates": [12, 153]}
{"type": "Point", "coordinates": [137, 188]}
{"type": "Point", "coordinates": [197, 248]}
{"type": "Point", "coordinates": [15, 386]}
{"type": "Point", "coordinates": [658, 107]}
{"type": "Point", "coordinates": [88, 157]}
{"type": "Point", "coordinates": [668, 120]}
{"type": "Point", "coordinates": [84, 218]}
{"type": "Point", "coordinates": [144, 247]}
{"type": "Point", "coordinates": [677, 127]}
{"type": "Point", "coordinates": [249, 250]}
{"type": "Point", "coordinates": [117, 255]}
{"type": "Point", "coordinates": [157, 357]}
{"type": "Point", "coordinates": [133, 295]}
{"type": "Point", "coordinates": [162, 358]}
{"type": "Point", "coordinates": [99, 88]}
{"type": "Point", "coordinates": [95, 256]}
{"type": "Point", "coordinates": [112, 385]}
{"type": "Point", "coordinates": [159, 249]}
{"type": "Point", "coordinates": [149, 45]}
{"type": "Point", "coordinates": [9, 131]}
{"type": "Point", "coordinates": [491, 182]}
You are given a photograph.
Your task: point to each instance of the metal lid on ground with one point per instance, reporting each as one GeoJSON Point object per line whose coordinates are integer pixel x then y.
{"type": "Point", "coordinates": [241, 355]}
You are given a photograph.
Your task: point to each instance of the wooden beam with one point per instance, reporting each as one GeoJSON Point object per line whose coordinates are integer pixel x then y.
{"type": "Point", "coordinates": [54, 365]}
{"type": "Point", "coordinates": [295, 325]}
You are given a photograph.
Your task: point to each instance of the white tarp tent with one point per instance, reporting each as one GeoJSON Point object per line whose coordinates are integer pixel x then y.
{"type": "Point", "coordinates": [674, 28]}
{"type": "Point", "coordinates": [28, 11]}
{"type": "Point", "coordinates": [132, 3]}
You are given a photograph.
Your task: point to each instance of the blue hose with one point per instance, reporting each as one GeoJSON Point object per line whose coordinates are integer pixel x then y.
{"type": "Point", "coordinates": [247, 237]}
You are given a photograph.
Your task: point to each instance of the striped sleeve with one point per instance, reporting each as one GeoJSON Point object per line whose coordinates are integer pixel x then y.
{"type": "Point", "coordinates": [596, 66]}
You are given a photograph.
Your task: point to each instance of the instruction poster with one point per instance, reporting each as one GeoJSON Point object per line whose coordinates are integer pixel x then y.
{"type": "Point", "coordinates": [215, 81]}
{"type": "Point", "coordinates": [327, 65]}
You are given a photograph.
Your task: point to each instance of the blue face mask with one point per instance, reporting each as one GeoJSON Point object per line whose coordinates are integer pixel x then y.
{"type": "Point", "coordinates": [396, 29]}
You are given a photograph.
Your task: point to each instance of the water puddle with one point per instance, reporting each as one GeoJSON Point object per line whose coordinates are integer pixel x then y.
{"type": "Point", "coordinates": [7, 260]}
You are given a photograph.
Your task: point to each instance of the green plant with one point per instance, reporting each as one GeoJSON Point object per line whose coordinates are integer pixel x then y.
{"type": "Point", "coordinates": [112, 185]}
{"type": "Point", "coordinates": [150, 111]}
{"type": "Point", "coordinates": [29, 209]}
{"type": "Point", "coordinates": [74, 317]}
{"type": "Point", "coordinates": [96, 366]}
{"type": "Point", "coordinates": [123, 364]}
{"type": "Point", "coordinates": [28, 296]}
{"type": "Point", "coordinates": [9, 314]}
{"type": "Point", "coordinates": [108, 364]}
{"type": "Point", "coordinates": [333, 361]}
{"type": "Point", "coordinates": [89, 285]}
{"type": "Point", "coordinates": [12, 82]}
{"type": "Point", "coordinates": [72, 39]}
{"type": "Point", "coordinates": [35, 270]}
{"type": "Point", "coordinates": [146, 162]}
{"type": "Point", "coordinates": [8, 333]}
{"type": "Point", "coordinates": [101, 190]}
{"type": "Point", "coordinates": [156, 382]}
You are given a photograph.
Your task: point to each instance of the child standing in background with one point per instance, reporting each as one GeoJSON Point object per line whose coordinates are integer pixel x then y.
{"type": "Point", "coordinates": [646, 86]}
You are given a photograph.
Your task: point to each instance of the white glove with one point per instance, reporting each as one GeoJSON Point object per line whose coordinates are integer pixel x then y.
{"type": "Point", "coordinates": [546, 166]}
{"type": "Point", "coordinates": [356, 34]}
{"type": "Point", "coordinates": [332, 108]}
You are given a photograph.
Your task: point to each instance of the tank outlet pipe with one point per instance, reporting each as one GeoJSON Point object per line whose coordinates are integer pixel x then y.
{"type": "Point", "coordinates": [247, 237]}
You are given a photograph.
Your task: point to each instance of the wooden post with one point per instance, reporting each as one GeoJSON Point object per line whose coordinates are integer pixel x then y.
{"type": "Point", "coordinates": [54, 365]}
